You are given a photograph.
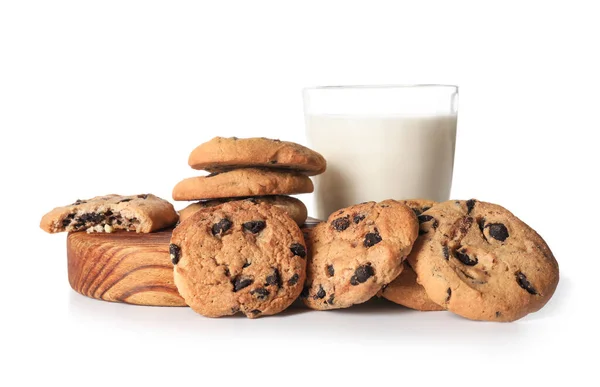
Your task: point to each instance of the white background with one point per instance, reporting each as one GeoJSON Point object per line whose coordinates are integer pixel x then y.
{"type": "Point", "coordinates": [111, 96]}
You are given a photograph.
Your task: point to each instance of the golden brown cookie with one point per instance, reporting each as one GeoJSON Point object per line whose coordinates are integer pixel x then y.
{"type": "Point", "coordinates": [406, 291]}
{"type": "Point", "coordinates": [292, 206]}
{"type": "Point", "coordinates": [242, 183]}
{"type": "Point", "coordinates": [356, 252]}
{"type": "Point", "coordinates": [239, 257]}
{"type": "Point", "coordinates": [480, 261]}
{"type": "Point", "coordinates": [224, 154]}
{"type": "Point", "coordinates": [140, 213]}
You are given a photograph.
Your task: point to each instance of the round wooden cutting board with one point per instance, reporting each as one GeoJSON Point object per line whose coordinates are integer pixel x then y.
{"type": "Point", "coordinates": [123, 267]}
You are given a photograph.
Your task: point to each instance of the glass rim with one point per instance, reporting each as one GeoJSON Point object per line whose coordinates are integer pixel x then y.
{"type": "Point", "coordinates": [389, 86]}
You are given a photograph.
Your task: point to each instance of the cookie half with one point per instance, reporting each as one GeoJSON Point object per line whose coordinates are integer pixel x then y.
{"type": "Point", "coordinates": [356, 252]}
{"type": "Point", "coordinates": [292, 206]}
{"type": "Point", "coordinates": [239, 257]}
{"type": "Point", "coordinates": [141, 213]}
{"type": "Point", "coordinates": [242, 183]}
{"type": "Point", "coordinates": [406, 291]}
{"type": "Point", "coordinates": [223, 154]}
{"type": "Point", "coordinates": [480, 261]}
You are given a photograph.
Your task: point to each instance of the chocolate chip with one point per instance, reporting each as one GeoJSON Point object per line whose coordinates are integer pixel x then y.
{"type": "Point", "coordinates": [144, 196]}
{"type": "Point", "coordinates": [260, 293]}
{"type": "Point", "coordinates": [424, 218]}
{"type": "Point", "coordinates": [246, 264]}
{"type": "Point", "coordinates": [298, 250]}
{"type": "Point", "coordinates": [227, 273]}
{"type": "Point", "coordinates": [340, 224]}
{"type": "Point", "coordinates": [330, 271]}
{"type": "Point", "coordinates": [293, 280]}
{"type": "Point", "coordinates": [330, 299]}
{"type": "Point", "coordinates": [255, 312]}
{"type": "Point", "coordinates": [525, 284]}
{"type": "Point", "coordinates": [124, 200]}
{"type": "Point", "coordinates": [358, 218]}
{"type": "Point", "coordinates": [417, 211]}
{"type": "Point", "coordinates": [465, 259]}
{"type": "Point", "coordinates": [498, 314]}
{"type": "Point", "coordinates": [241, 282]}
{"type": "Point", "coordinates": [174, 253]}
{"type": "Point", "coordinates": [371, 239]}
{"type": "Point", "coordinates": [320, 293]}
{"type": "Point", "coordinates": [498, 231]}
{"type": "Point", "coordinates": [449, 294]}
{"type": "Point", "coordinates": [221, 227]}
{"type": "Point", "coordinates": [362, 274]}
{"type": "Point", "coordinates": [273, 279]}
{"type": "Point", "coordinates": [71, 216]}
{"type": "Point", "coordinates": [255, 226]}
{"type": "Point", "coordinates": [470, 205]}
{"type": "Point", "coordinates": [91, 217]}
{"type": "Point", "coordinates": [108, 213]}
{"type": "Point", "coordinates": [446, 252]}
{"type": "Point", "coordinates": [304, 293]}
{"type": "Point", "coordinates": [79, 201]}
{"type": "Point", "coordinates": [66, 222]}
{"type": "Point", "coordinates": [435, 224]}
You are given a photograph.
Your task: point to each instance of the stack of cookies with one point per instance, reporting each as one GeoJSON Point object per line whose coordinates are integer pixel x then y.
{"type": "Point", "coordinates": [259, 169]}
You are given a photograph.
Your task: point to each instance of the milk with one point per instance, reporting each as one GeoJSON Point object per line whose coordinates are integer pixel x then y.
{"type": "Point", "coordinates": [381, 157]}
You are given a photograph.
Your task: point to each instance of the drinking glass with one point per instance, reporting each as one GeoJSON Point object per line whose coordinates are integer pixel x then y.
{"type": "Point", "coordinates": [381, 142]}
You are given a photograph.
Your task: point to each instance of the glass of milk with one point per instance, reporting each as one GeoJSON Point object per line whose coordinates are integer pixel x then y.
{"type": "Point", "coordinates": [381, 142]}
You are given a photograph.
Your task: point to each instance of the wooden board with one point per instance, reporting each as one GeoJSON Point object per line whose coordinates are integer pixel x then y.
{"type": "Point", "coordinates": [123, 267]}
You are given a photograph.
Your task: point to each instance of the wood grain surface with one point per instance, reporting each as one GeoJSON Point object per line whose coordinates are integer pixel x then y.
{"type": "Point", "coordinates": [123, 267]}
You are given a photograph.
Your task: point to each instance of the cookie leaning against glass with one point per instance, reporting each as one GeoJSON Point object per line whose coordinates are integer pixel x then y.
{"type": "Point", "coordinates": [239, 257]}
{"type": "Point", "coordinates": [356, 252]}
{"type": "Point", "coordinates": [479, 261]}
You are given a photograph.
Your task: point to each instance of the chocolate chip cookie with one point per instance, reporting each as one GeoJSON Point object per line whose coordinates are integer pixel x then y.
{"type": "Point", "coordinates": [480, 261]}
{"type": "Point", "coordinates": [223, 154]}
{"type": "Point", "coordinates": [292, 206]}
{"type": "Point", "coordinates": [141, 213]}
{"type": "Point", "coordinates": [406, 291]}
{"type": "Point", "coordinates": [239, 257]}
{"type": "Point", "coordinates": [242, 183]}
{"type": "Point", "coordinates": [356, 252]}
